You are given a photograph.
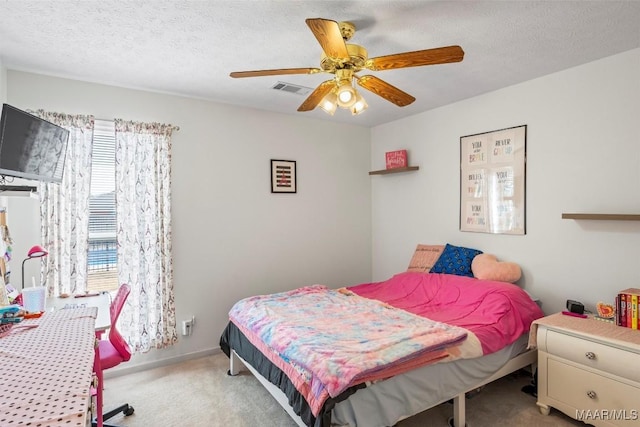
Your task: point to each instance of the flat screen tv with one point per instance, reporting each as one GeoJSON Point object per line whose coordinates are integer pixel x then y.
{"type": "Point", "coordinates": [31, 147]}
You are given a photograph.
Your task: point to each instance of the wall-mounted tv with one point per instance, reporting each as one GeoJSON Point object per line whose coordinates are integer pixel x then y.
{"type": "Point", "coordinates": [31, 147]}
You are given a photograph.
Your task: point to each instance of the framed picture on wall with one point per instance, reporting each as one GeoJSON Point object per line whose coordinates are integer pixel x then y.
{"type": "Point", "coordinates": [492, 181]}
{"type": "Point", "coordinates": [283, 176]}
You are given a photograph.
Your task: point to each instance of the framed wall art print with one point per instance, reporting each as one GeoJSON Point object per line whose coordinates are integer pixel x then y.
{"type": "Point", "coordinates": [492, 181]}
{"type": "Point", "coordinates": [283, 176]}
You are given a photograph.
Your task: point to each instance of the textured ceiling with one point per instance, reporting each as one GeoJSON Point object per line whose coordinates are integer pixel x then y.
{"type": "Point", "coordinates": [189, 47]}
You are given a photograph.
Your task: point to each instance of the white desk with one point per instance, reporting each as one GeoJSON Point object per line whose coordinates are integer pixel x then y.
{"type": "Point", "coordinates": [102, 302]}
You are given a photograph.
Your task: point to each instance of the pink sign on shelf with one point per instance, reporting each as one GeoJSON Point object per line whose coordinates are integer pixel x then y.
{"type": "Point", "coordinates": [396, 159]}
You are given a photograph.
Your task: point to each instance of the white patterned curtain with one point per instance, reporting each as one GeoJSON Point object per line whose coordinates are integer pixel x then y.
{"type": "Point", "coordinates": [143, 206]}
{"type": "Point", "coordinates": [64, 209]}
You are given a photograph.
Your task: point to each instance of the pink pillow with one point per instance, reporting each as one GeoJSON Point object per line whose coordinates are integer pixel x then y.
{"type": "Point", "coordinates": [424, 257]}
{"type": "Point", "coordinates": [487, 267]}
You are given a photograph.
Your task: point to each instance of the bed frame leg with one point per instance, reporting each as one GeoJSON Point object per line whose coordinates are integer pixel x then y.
{"type": "Point", "coordinates": [235, 365]}
{"type": "Point", "coordinates": [459, 403]}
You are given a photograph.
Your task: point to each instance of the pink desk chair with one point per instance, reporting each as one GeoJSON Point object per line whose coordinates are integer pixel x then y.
{"type": "Point", "coordinates": [109, 353]}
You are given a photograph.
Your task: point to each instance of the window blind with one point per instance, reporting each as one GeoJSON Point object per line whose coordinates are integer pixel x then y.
{"type": "Point", "coordinates": [102, 209]}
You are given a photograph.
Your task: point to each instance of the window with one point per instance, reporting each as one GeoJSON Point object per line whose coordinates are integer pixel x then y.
{"type": "Point", "coordinates": [102, 257]}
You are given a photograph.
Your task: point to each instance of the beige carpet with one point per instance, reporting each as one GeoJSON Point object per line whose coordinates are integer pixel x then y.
{"type": "Point", "coordinates": [199, 393]}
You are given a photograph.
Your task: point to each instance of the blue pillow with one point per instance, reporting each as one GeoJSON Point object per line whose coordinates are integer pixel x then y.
{"type": "Point", "coordinates": [455, 260]}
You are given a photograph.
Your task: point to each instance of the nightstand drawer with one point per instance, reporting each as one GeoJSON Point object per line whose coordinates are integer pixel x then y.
{"type": "Point", "coordinates": [591, 393]}
{"type": "Point", "coordinates": [594, 355]}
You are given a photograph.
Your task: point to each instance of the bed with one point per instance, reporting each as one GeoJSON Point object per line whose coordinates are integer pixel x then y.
{"type": "Point", "coordinates": [404, 345]}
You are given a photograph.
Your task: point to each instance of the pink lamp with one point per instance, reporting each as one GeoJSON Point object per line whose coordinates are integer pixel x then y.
{"type": "Point", "coordinates": [36, 251]}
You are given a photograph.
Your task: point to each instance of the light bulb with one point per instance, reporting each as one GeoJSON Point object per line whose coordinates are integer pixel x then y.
{"type": "Point", "coordinates": [329, 103]}
{"type": "Point", "coordinates": [346, 95]}
{"type": "Point", "coordinates": [359, 106]}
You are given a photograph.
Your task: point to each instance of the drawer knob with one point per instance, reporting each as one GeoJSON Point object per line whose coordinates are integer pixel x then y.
{"type": "Point", "coordinates": [590, 355]}
{"type": "Point", "coordinates": [592, 394]}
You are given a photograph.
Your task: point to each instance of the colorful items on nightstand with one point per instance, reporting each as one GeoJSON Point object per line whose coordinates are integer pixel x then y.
{"type": "Point", "coordinates": [627, 308]}
{"type": "Point", "coordinates": [605, 312]}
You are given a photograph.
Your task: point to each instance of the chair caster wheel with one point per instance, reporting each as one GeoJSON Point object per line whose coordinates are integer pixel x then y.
{"type": "Point", "coordinates": [128, 411]}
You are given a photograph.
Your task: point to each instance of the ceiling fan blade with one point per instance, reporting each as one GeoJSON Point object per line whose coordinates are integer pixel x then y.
{"type": "Point", "coordinates": [278, 72]}
{"type": "Point", "coordinates": [440, 55]}
{"type": "Point", "coordinates": [316, 96]}
{"type": "Point", "coordinates": [385, 90]}
{"type": "Point", "coordinates": [328, 34]}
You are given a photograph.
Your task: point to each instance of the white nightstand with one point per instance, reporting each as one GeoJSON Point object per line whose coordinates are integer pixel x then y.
{"type": "Point", "coordinates": [588, 369]}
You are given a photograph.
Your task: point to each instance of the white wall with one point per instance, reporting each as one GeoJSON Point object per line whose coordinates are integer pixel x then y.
{"type": "Point", "coordinates": [583, 155]}
{"type": "Point", "coordinates": [3, 83]}
{"type": "Point", "coordinates": [232, 238]}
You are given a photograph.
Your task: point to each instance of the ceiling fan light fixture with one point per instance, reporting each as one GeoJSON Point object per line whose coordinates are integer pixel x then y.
{"type": "Point", "coordinates": [329, 103]}
{"type": "Point", "coordinates": [346, 60]}
{"type": "Point", "coordinates": [359, 106]}
{"type": "Point", "coordinates": [347, 95]}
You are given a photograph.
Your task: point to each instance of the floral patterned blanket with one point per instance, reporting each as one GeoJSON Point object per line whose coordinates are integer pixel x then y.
{"type": "Point", "coordinates": [328, 340]}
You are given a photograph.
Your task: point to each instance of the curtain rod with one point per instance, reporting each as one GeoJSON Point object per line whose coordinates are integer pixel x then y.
{"type": "Point", "coordinates": [174, 127]}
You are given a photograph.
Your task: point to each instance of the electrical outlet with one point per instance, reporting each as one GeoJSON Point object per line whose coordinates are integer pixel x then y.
{"type": "Point", "coordinates": [187, 326]}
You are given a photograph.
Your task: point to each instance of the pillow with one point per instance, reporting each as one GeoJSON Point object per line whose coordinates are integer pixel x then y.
{"type": "Point", "coordinates": [424, 257]}
{"type": "Point", "coordinates": [455, 260]}
{"type": "Point", "coordinates": [487, 267]}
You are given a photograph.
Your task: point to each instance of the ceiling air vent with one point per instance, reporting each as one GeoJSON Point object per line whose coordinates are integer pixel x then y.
{"type": "Point", "coordinates": [291, 88]}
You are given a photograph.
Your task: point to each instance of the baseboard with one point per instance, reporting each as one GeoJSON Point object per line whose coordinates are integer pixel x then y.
{"type": "Point", "coordinates": [123, 369]}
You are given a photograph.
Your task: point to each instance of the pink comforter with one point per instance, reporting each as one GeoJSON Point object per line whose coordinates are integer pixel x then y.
{"type": "Point", "coordinates": [497, 312]}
